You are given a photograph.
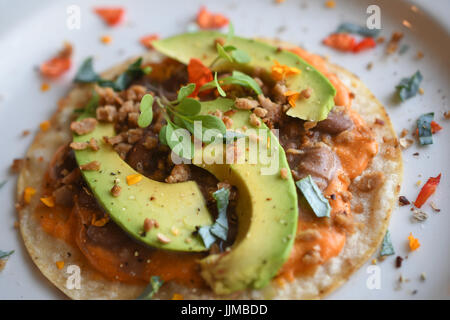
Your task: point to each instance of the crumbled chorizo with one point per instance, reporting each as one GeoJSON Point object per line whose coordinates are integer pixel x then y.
{"type": "Point", "coordinates": [254, 120]}
{"type": "Point", "coordinates": [113, 140]}
{"type": "Point", "coordinates": [246, 103]}
{"type": "Point", "coordinates": [260, 112]}
{"type": "Point", "coordinates": [93, 144]}
{"type": "Point", "coordinates": [78, 145]}
{"type": "Point", "coordinates": [90, 166]}
{"type": "Point", "coordinates": [106, 113]}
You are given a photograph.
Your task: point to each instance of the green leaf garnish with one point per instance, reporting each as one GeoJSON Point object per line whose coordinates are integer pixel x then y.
{"type": "Point", "coordinates": [408, 87]}
{"type": "Point", "coordinates": [237, 78]}
{"type": "Point", "coordinates": [219, 88]}
{"type": "Point", "coordinates": [318, 203]}
{"type": "Point", "coordinates": [387, 249]}
{"type": "Point", "coordinates": [219, 229]}
{"type": "Point", "coordinates": [222, 53]}
{"type": "Point", "coordinates": [189, 107]}
{"type": "Point", "coordinates": [240, 56]}
{"type": "Point", "coordinates": [153, 287]}
{"type": "Point", "coordinates": [230, 33]}
{"type": "Point", "coordinates": [185, 91]}
{"type": "Point", "coordinates": [356, 29]}
{"type": "Point", "coordinates": [162, 136]}
{"type": "Point", "coordinates": [174, 134]}
{"type": "Point", "coordinates": [5, 254]}
{"type": "Point", "coordinates": [424, 128]}
{"type": "Point", "coordinates": [86, 72]}
{"type": "Point", "coordinates": [3, 183]}
{"type": "Point", "coordinates": [146, 116]}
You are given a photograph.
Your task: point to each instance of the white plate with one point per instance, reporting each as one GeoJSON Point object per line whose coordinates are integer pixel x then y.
{"type": "Point", "coordinates": [32, 31]}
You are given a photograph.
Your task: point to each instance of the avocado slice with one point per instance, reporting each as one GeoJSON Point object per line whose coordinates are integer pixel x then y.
{"type": "Point", "coordinates": [267, 212]}
{"type": "Point", "coordinates": [178, 208]}
{"type": "Point", "coordinates": [201, 45]}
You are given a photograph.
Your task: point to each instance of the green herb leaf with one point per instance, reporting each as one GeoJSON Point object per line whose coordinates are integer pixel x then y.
{"type": "Point", "coordinates": [408, 87]}
{"type": "Point", "coordinates": [173, 137]}
{"type": "Point", "coordinates": [220, 226]}
{"type": "Point", "coordinates": [240, 56]}
{"type": "Point", "coordinates": [162, 135]}
{"type": "Point", "coordinates": [219, 229]}
{"type": "Point", "coordinates": [424, 128]}
{"type": "Point", "coordinates": [356, 29]}
{"type": "Point", "coordinates": [186, 91]}
{"type": "Point", "coordinates": [222, 53]}
{"type": "Point", "coordinates": [6, 254]}
{"type": "Point", "coordinates": [318, 203]}
{"type": "Point", "coordinates": [189, 107]}
{"type": "Point", "coordinates": [86, 73]}
{"type": "Point", "coordinates": [387, 249]}
{"type": "Point", "coordinates": [153, 287]}
{"type": "Point", "coordinates": [146, 116]}
{"type": "Point", "coordinates": [219, 88]}
{"type": "Point", "coordinates": [230, 33]}
{"type": "Point", "coordinates": [3, 183]}
{"type": "Point", "coordinates": [237, 78]}
{"type": "Point", "coordinates": [211, 122]}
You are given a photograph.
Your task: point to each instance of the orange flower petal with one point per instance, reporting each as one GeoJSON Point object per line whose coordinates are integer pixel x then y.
{"type": "Point", "coordinates": [28, 193]}
{"type": "Point", "coordinates": [48, 201]}
{"type": "Point", "coordinates": [414, 243]}
{"type": "Point", "coordinates": [133, 179]}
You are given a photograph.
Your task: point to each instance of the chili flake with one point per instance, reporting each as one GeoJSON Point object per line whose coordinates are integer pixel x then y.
{"type": "Point", "coordinates": [208, 20]}
{"type": "Point", "coordinates": [28, 193]}
{"type": "Point", "coordinates": [60, 264]}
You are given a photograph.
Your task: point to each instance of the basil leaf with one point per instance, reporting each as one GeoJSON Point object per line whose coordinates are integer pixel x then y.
{"type": "Point", "coordinates": [86, 73]}
{"type": "Point", "coordinates": [356, 29]}
{"type": "Point", "coordinates": [220, 226]}
{"type": "Point", "coordinates": [219, 88]}
{"type": "Point", "coordinates": [5, 254]}
{"type": "Point", "coordinates": [219, 229]}
{"type": "Point", "coordinates": [153, 287]}
{"type": "Point", "coordinates": [240, 56]}
{"type": "Point", "coordinates": [189, 107]}
{"type": "Point", "coordinates": [424, 128]}
{"type": "Point", "coordinates": [92, 104]}
{"type": "Point", "coordinates": [186, 91]}
{"type": "Point", "coordinates": [408, 87]}
{"type": "Point", "coordinates": [146, 116]}
{"type": "Point", "coordinates": [318, 203]}
{"type": "Point", "coordinates": [387, 249]}
{"type": "Point", "coordinates": [222, 53]}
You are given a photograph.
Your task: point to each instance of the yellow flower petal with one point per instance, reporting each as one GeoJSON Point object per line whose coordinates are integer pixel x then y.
{"type": "Point", "coordinates": [133, 179]}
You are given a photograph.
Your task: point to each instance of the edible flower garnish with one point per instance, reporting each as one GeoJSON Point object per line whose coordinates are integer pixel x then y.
{"type": "Point", "coordinates": [413, 242]}
{"type": "Point", "coordinates": [281, 71]}
{"type": "Point", "coordinates": [153, 287]}
{"type": "Point", "coordinates": [59, 264]}
{"type": "Point", "coordinates": [292, 97]}
{"type": "Point", "coordinates": [218, 230]}
{"type": "Point", "coordinates": [424, 128]}
{"type": "Point", "coordinates": [146, 41]}
{"type": "Point", "coordinates": [86, 74]}
{"type": "Point", "coordinates": [364, 44]}
{"type": "Point", "coordinates": [387, 249]}
{"type": "Point", "coordinates": [408, 87]}
{"type": "Point", "coordinates": [111, 16]}
{"type": "Point", "coordinates": [48, 201]}
{"type": "Point", "coordinates": [208, 20]}
{"type": "Point", "coordinates": [317, 202]}
{"type": "Point", "coordinates": [427, 190]}
{"type": "Point", "coordinates": [198, 74]}
{"type": "Point", "coordinates": [59, 64]}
